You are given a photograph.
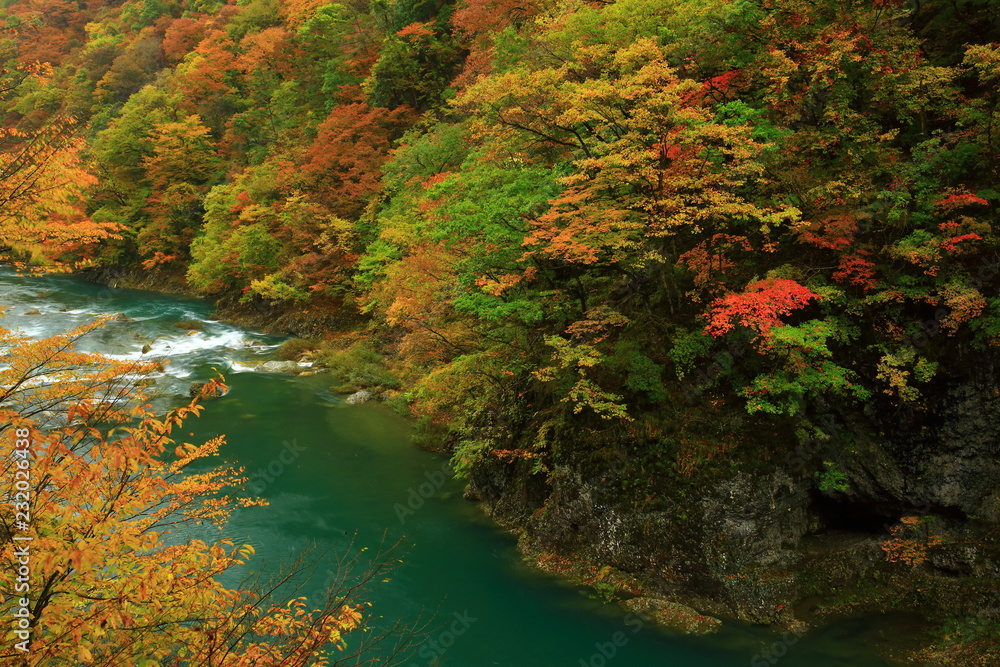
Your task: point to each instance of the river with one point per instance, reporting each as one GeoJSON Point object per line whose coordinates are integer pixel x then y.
{"type": "Point", "coordinates": [331, 471]}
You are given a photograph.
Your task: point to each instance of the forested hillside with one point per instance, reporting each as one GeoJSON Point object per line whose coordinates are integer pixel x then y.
{"type": "Point", "coordinates": [706, 291]}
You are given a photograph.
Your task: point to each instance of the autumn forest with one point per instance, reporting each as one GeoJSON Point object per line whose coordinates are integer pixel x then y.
{"type": "Point", "coordinates": [664, 266]}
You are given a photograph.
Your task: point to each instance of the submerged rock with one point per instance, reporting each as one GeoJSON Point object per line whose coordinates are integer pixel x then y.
{"type": "Point", "coordinates": [33, 311]}
{"type": "Point", "coordinates": [273, 366]}
{"type": "Point", "coordinates": [191, 325]}
{"type": "Point", "coordinates": [362, 396]}
{"type": "Point", "coordinates": [674, 615]}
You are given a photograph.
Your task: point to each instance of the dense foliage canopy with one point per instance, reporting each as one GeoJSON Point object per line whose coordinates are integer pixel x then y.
{"type": "Point", "coordinates": [580, 226]}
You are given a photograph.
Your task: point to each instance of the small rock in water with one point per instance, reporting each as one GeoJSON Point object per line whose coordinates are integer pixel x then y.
{"type": "Point", "coordinates": [122, 317]}
{"type": "Point", "coordinates": [278, 366]}
{"type": "Point", "coordinates": [33, 311]}
{"type": "Point", "coordinates": [362, 396]}
{"type": "Point", "coordinates": [146, 348]}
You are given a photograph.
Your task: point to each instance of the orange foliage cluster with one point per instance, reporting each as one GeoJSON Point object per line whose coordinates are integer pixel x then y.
{"type": "Point", "coordinates": [43, 181]}
{"type": "Point", "coordinates": [342, 164]}
{"type": "Point", "coordinates": [856, 270]}
{"type": "Point", "coordinates": [959, 200]}
{"type": "Point", "coordinates": [491, 16]}
{"type": "Point", "coordinates": [910, 542]}
{"type": "Point", "coordinates": [833, 233]}
{"type": "Point", "coordinates": [759, 308]}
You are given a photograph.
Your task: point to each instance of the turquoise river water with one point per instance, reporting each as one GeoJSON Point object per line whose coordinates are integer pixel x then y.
{"type": "Point", "coordinates": [331, 471]}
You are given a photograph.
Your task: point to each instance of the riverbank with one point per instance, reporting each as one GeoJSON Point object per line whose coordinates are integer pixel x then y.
{"type": "Point", "coordinates": [314, 320]}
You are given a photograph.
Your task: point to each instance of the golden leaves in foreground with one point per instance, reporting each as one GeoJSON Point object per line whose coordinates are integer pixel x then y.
{"type": "Point", "coordinates": [116, 577]}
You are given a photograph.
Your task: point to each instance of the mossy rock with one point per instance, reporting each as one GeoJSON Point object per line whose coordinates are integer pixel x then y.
{"type": "Point", "coordinates": [293, 349]}
{"type": "Point", "coordinates": [673, 615]}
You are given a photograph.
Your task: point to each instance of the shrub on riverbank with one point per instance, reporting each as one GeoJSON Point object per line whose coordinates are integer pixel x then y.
{"type": "Point", "coordinates": [293, 349]}
{"type": "Point", "coordinates": [356, 367]}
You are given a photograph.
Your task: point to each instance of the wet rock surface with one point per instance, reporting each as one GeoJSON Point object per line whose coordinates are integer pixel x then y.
{"type": "Point", "coordinates": [359, 397]}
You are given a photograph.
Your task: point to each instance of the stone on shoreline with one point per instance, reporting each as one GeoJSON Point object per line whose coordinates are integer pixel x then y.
{"type": "Point", "coordinates": [362, 396]}
{"type": "Point", "coordinates": [674, 615]}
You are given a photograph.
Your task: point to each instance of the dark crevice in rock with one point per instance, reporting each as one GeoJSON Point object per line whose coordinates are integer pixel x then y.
{"type": "Point", "coordinates": [853, 516]}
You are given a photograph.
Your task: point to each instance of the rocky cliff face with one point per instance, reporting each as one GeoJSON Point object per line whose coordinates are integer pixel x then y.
{"type": "Point", "coordinates": [730, 549]}
{"type": "Point", "coordinates": [756, 540]}
{"type": "Point", "coordinates": [945, 461]}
